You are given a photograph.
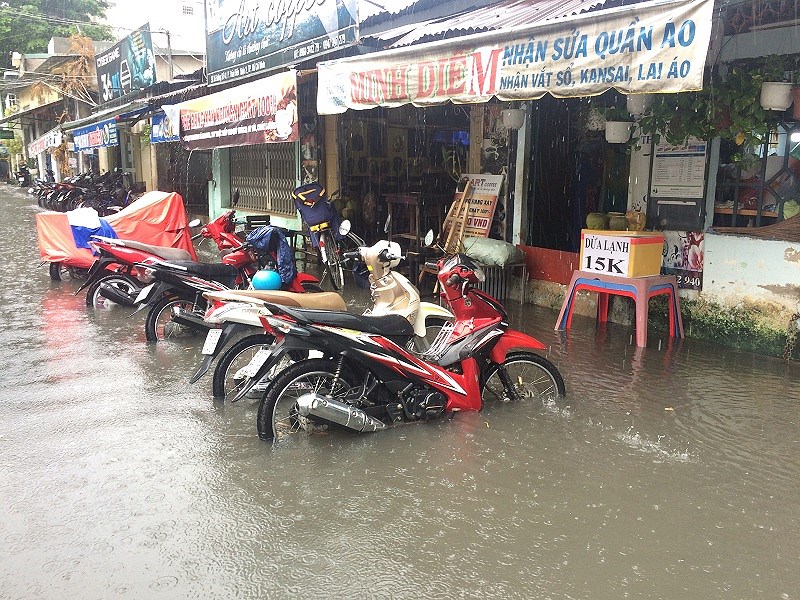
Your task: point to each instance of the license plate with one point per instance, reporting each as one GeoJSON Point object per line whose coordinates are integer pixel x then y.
{"type": "Point", "coordinates": [144, 293]}
{"type": "Point", "coordinates": [212, 339]}
{"type": "Point", "coordinates": [256, 362]}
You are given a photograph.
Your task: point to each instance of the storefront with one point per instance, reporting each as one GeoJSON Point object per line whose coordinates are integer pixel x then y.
{"type": "Point", "coordinates": [559, 72]}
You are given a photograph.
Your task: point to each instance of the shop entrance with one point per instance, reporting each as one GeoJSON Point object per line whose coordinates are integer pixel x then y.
{"type": "Point", "coordinates": [411, 152]}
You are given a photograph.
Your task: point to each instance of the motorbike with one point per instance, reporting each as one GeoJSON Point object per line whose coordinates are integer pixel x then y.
{"type": "Point", "coordinates": [367, 380]}
{"type": "Point", "coordinates": [113, 279]}
{"type": "Point", "coordinates": [175, 299]}
{"type": "Point", "coordinates": [23, 176]}
{"type": "Point", "coordinates": [235, 312]}
{"type": "Point", "coordinates": [319, 214]}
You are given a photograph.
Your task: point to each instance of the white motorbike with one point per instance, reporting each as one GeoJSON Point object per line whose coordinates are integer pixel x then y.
{"type": "Point", "coordinates": [236, 311]}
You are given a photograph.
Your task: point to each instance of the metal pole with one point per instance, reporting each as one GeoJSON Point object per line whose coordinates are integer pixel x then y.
{"type": "Point", "coordinates": [169, 54]}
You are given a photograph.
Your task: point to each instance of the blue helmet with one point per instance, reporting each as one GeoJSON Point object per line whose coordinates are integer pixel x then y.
{"type": "Point", "coordinates": [266, 280]}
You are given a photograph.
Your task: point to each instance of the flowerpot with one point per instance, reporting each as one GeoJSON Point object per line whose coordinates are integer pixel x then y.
{"type": "Point", "coordinates": [596, 220]}
{"type": "Point", "coordinates": [638, 104]}
{"type": "Point", "coordinates": [776, 95]}
{"type": "Point", "coordinates": [596, 120]}
{"type": "Point", "coordinates": [796, 107]}
{"type": "Point", "coordinates": [617, 221]}
{"type": "Point", "coordinates": [618, 132]}
{"type": "Point", "coordinates": [636, 220]}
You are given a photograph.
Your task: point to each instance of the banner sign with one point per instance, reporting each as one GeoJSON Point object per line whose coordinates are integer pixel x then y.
{"type": "Point", "coordinates": [261, 112]}
{"type": "Point", "coordinates": [128, 65]}
{"type": "Point", "coordinates": [163, 128]}
{"type": "Point", "coordinates": [51, 139]}
{"type": "Point", "coordinates": [99, 135]}
{"type": "Point", "coordinates": [244, 37]}
{"type": "Point", "coordinates": [650, 47]}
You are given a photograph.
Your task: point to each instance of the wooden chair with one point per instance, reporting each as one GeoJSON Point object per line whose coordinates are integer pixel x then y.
{"type": "Point", "coordinates": [455, 223]}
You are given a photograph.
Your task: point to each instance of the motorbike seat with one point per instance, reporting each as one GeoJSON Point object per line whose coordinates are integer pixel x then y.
{"type": "Point", "coordinates": [387, 325]}
{"type": "Point", "coordinates": [165, 252]}
{"type": "Point", "coordinates": [316, 300]}
{"type": "Point", "coordinates": [211, 271]}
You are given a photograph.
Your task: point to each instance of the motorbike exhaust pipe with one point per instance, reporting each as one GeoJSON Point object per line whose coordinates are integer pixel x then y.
{"type": "Point", "coordinates": [328, 409]}
{"type": "Point", "coordinates": [189, 319]}
{"type": "Point", "coordinates": [115, 294]}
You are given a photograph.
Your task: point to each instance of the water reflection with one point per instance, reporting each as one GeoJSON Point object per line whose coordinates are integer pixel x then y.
{"type": "Point", "coordinates": [669, 472]}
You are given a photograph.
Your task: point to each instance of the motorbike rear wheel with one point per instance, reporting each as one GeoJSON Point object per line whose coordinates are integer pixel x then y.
{"type": "Point", "coordinates": [523, 376]}
{"type": "Point", "coordinates": [59, 272]}
{"type": "Point", "coordinates": [159, 324]}
{"type": "Point", "coordinates": [125, 283]}
{"type": "Point", "coordinates": [277, 413]}
{"type": "Point", "coordinates": [333, 262]}
{"type": "Point", "coordinates": [228, 375]}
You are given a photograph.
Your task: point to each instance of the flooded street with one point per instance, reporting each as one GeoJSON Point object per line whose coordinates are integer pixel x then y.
{"type": "Point", "coordinates": [671, 472]}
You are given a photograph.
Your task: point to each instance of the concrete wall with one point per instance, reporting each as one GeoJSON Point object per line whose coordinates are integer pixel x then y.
{"type": "Point", "coordinates": [741, 269]}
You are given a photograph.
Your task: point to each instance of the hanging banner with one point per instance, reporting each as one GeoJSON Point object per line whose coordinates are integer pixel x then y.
{"type": "Point", "coordinates": [650, 47]}
{"type": "Point", "coordinates": [127, 66]}
{"type": "Point", "coordinates": [51, 139]}
{"type": "Point", "coordinates": [163, 128]}
{"type": "Point", "coordinates": [261, 112]}
{"type": "Point", "coordinates": [99, 135]}
{"type": "Point", "coordinates": [245, 37]}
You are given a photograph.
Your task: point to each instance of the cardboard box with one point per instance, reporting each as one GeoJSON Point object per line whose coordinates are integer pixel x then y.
{"type": "Point", "coordinates": [621, 253]}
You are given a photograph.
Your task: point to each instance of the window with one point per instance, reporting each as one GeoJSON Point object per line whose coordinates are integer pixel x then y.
{"type": "Point", "coordinates": [11, 100]}
{"type": "Point", "coordinates": [766, 189]}
{"type": "Point", "coordinates": [188, 11]}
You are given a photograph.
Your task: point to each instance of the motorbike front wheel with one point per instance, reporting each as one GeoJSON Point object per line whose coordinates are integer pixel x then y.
{"type": "Point", "coordinates": [523, 376]}
{"type": "Point", "coordinates": [159, 324]}
{"type": "Point", "coordinates": [333, 261]}
{"type": "Point", "coordinates": [124, 283]}
{"type": "Point", "coordinates": [229, 374]}
{"type": "Point", "coordinates": [277, 412]}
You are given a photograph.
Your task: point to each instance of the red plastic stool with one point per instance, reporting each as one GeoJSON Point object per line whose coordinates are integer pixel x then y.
{"type": "Point", "coordinates": [640, 289]}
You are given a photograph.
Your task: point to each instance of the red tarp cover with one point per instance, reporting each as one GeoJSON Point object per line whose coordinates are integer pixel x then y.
{"type": "Point", "coordinates": [157, 218]}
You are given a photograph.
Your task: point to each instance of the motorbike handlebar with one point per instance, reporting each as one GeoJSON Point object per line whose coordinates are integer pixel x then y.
{"type": "Point", "coordinates": [432, 266]}
{"type": "Point", "coordinates": [453, 280]}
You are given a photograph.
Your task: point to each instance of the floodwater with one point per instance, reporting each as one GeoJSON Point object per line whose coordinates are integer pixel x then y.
{"type": "Point", "coordinates": [670, 472]}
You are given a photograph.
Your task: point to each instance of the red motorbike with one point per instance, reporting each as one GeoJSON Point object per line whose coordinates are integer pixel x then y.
{"type": "Point", "coordinates": [367, 380]}
{"type": "Point", "coordinates": [115, 277]}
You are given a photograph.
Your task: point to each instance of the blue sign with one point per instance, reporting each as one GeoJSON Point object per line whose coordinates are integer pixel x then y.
{"type": "Point", "coordinates": [98, 135]}
{"type": "Point", "coordinates": [163, 129]}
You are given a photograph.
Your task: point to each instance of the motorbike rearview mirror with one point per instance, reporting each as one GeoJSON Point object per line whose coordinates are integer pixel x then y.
{"type": "Point", "coordinates": [344, 227]}
{"type": "Point", "coordinates": [235, 197]}
{"type": "Point", "coordinates": [195, 223]}
{"type": "Point", "coordinates": [387, 224]}
{"type": "Point", "coordinates": [428, 240]}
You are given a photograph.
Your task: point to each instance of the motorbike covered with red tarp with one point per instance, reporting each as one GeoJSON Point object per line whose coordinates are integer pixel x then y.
{"type": "Point", "coordinates": [157, 218]}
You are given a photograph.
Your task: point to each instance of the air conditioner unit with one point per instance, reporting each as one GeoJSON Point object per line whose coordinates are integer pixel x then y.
{"type": "Point", "coordinates": [10, 75]}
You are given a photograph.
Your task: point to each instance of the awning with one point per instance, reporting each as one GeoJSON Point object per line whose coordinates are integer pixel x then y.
{"type": "Point", "coordinates": [135, 109]}
{"type": "Point", "coordinates": [503, 15]}
{"type": "Point", "coordinates": [25, 113]}
{"type": "Point", "coordinates": [658, 46]}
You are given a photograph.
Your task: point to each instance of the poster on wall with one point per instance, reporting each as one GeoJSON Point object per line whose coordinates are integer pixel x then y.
{"type": "Point", "coordinates": [683, 257]}
{"type": "Point", "coordinates": [127, 66]}
{"type": "Point", "coordinates": [246, 37]}
{"type": "Point", "coordinates": [261, 112]}
{"type": "Point", "coordinates": [679, 171]}
{"type": "Point", "coordinates": [648, 47]}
